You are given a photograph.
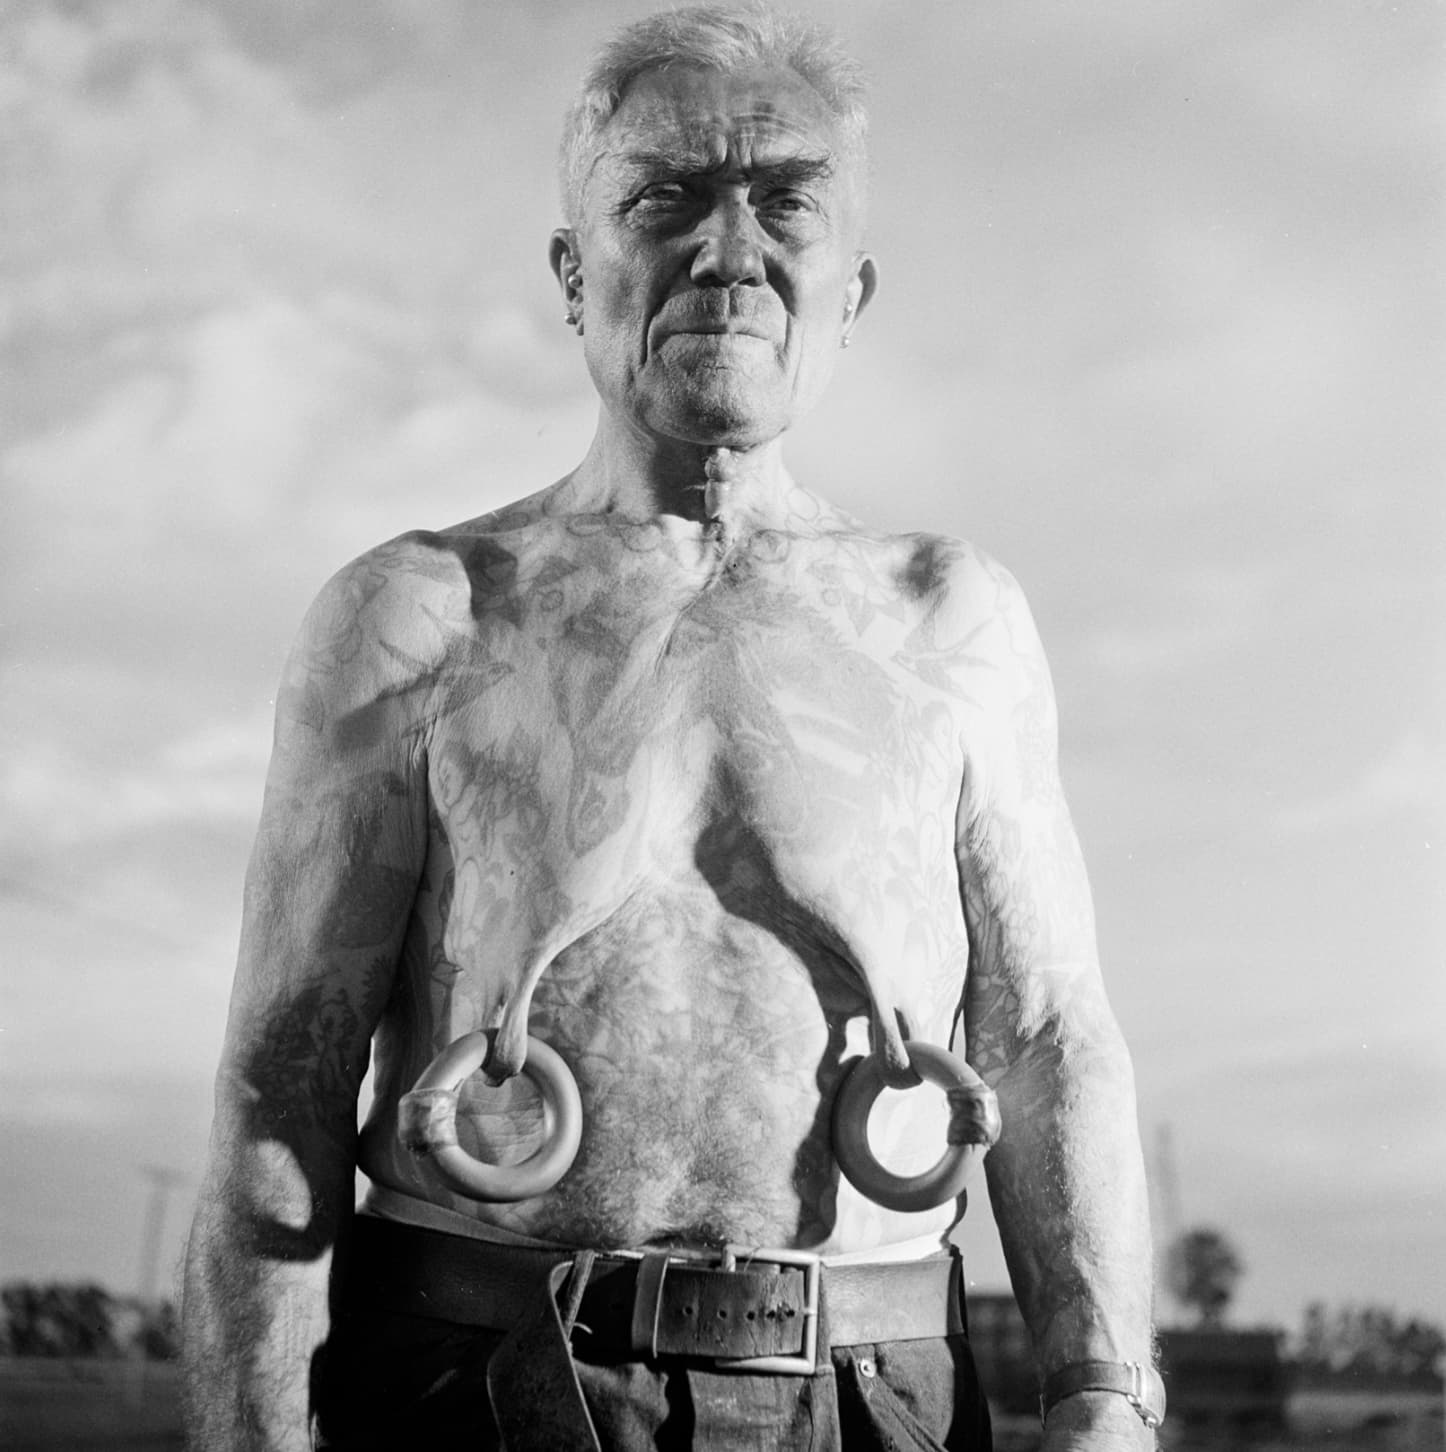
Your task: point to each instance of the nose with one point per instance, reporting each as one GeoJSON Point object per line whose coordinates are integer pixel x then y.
{"type": "Point", "coordinates": [730, 250]}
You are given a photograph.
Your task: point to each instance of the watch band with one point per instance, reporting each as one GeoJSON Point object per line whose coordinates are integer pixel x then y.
{"type": "Point", "coordinates": [1139, 1384]}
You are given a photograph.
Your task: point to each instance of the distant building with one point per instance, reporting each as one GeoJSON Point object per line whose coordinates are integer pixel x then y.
{"type": "Point", "coordinates": [1221, 1376]}
{"type": "Point", "coordinates": [1225, 1376]}
{"type": "Point", "coordinates": [999, 1340]}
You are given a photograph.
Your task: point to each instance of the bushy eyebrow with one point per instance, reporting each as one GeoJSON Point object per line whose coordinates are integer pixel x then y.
{"type": "Point", "coordinates": [672, 164]}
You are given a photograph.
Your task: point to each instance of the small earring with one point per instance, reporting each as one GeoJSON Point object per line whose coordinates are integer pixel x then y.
{"type": "Point", "coordinates": [844, 341]}
{"type": "Point", "coordinates": [570, 318]}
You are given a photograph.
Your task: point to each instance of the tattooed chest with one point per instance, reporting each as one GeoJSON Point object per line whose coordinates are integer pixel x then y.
{"type": "Point", "coordinates": [689, 847]}
{"type": "Point", "coordinates": [611, 756]}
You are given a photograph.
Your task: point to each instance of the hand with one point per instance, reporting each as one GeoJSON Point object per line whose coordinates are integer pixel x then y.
{"type": "Point", "coordinates": [1095, 1422]}
{"type": "Point", "coordinates": [1075, 1441]}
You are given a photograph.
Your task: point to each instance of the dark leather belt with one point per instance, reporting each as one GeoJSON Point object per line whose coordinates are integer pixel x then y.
{"type": "Point", "coordinates": [732, 1309]}
{"type": "Point", "coordinates": [760, 1312]}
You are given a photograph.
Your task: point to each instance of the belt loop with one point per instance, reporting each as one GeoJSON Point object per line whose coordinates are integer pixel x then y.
{"type": "Point", "coordinates": [648, 1303]}
{"type": "Point", "coordinates": [576, 1284]}
{"type": "Point", "coordinates": [532, 1383]}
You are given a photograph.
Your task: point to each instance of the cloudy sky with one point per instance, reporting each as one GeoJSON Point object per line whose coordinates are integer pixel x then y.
{"type": "Point", "coordinates": [1160, 325]}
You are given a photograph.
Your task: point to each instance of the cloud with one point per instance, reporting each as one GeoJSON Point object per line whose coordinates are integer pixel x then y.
{"type": "Point", "coordinates": [1407, 780]}
{"type": "Point", "coordinates": [54, 800]}
{"type": "Point", "coordinates": [164, 170]}
{"type": "Point", "coordinates": [268, 437]}
{"type": "Point", "coordinates": [48, 1103]}
{"type": "Point", "coordinates": [1184, 620]}
{"type": "Point", "coordinates": [130, 958]}
{"type": "Point", "coordinates": [121, 108]}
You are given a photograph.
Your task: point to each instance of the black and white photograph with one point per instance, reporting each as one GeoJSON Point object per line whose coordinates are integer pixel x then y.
{"type": "Point", "coordinates": [722, 725]}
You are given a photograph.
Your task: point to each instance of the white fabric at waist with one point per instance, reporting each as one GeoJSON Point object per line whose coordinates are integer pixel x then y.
{"type": "Point", "coordinates": [388, 1204]}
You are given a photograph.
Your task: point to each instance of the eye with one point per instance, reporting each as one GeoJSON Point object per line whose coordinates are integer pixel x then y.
{"type": "Point", "coordinates": [785, 202]}
{"type": "Point", "coordinates": [664, 195]}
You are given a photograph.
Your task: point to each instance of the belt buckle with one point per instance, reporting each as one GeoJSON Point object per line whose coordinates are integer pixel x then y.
{"type": "Point", "coordinates": [805, 1362]}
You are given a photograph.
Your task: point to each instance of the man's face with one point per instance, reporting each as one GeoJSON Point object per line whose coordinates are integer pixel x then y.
{"type": "Point", "coordinates": [716, 251]}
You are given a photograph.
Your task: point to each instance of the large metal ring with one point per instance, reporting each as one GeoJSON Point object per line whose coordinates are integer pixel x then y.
{"type": "Point", "coordinates": [428, 1122]}
{"type": "Point", "coordinates": [973, 1127]}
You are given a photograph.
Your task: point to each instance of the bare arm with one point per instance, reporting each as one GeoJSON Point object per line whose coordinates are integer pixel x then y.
{"type": "Point", "coordinates": [328, 895]}
{"type": "Point", "coordinates": [1066, 1179]}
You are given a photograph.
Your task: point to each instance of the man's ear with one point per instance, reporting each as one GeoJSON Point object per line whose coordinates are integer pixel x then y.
{"type": "Point", "coordinates": [562, 258]}
{"type": "Point", "coordinates": [861, 288]}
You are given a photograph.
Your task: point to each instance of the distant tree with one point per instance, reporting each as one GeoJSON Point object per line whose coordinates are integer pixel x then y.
{"type": "Point", "coordinates": [1315, 1337]}
{"type": "Point", "coordinates": [1370, 1343]}
{"type": "Point", "coordinates": [1203, 1268]}
{"type": "Point", "coordinates": [158, 1335]}
{"type": "Point", "coordinates": [1420, 1349]}
{"type": "Point", "coordinates": [58, 1319]}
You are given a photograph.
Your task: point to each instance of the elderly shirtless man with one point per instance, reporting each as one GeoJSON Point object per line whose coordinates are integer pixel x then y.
{"type": "Point", "coordinates": [681, 773]}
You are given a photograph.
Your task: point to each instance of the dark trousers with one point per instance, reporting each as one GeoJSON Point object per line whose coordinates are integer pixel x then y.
{"type": "Point", "coordinates": [395, 1381]}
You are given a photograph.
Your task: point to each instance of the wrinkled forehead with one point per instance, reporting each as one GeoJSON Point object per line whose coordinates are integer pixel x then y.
{"type": "Point", "coordinates": [688, 119]}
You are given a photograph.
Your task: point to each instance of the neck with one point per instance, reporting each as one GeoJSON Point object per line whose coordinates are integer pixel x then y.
{"type": "Point", "coordinates": [722, 492]}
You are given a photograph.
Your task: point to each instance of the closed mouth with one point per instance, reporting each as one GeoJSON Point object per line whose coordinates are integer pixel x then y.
{"type": "Point", "coordinates": [720, 330]}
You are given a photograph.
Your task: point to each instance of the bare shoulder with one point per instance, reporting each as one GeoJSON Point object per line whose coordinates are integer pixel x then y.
{"type": "Point", "coordinates": [387, 624]}
{"type": "Point", "coordinates": [420, 570]}
{"type": "Point", "coordinates": [959, 577]}
{"type": "Point", "coordinates": [966, 598]}
{"type": "Point", "coordinates": [982, 602]}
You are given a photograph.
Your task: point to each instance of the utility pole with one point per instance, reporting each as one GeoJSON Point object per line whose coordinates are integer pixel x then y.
{"type": "Point", "coordinates": [1168, 1218]}
{"type": "Point", "coordinates": [162, 1182]}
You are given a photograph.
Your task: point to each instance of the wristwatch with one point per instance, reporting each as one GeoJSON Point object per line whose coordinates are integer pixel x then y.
{"type": "Point", "coordinates": [1140, 1385]}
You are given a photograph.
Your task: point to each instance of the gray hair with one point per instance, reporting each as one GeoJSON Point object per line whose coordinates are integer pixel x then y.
{"type": "Point", "coordinates": [713, 37]}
